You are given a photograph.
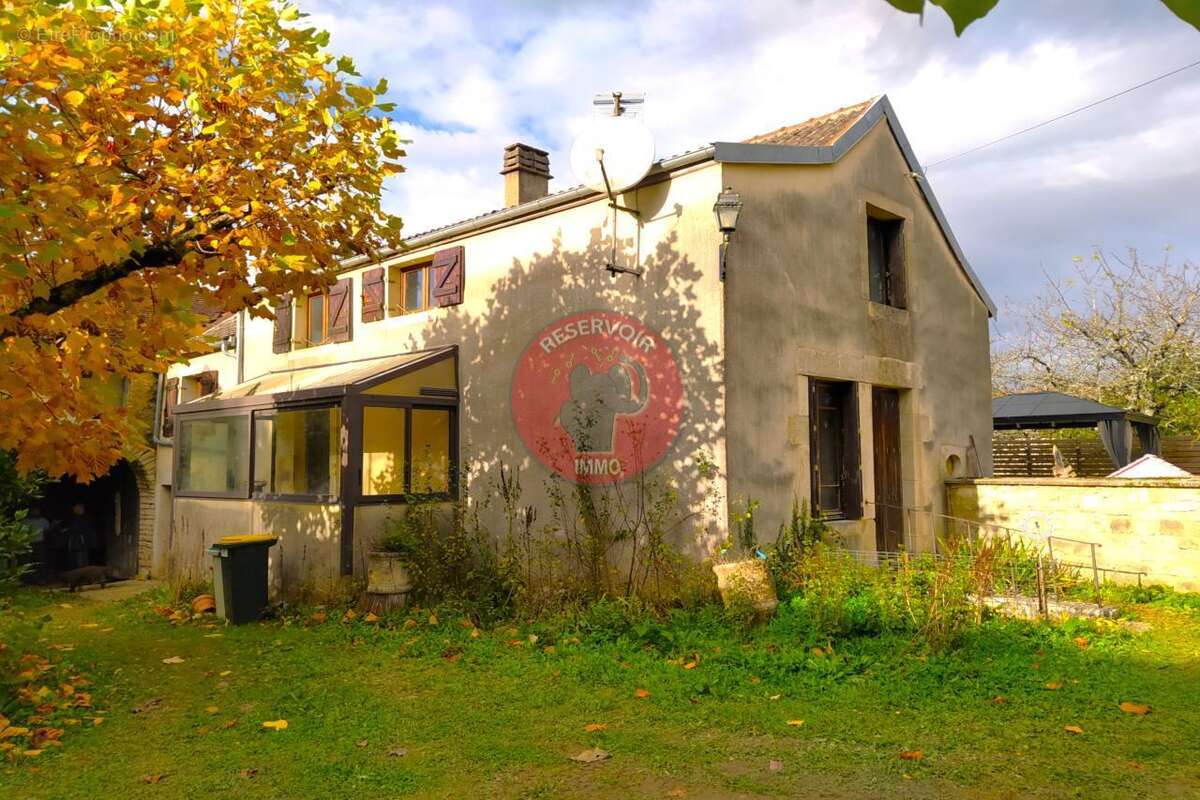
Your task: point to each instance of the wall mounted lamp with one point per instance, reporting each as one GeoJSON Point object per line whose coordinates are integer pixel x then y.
{"type": "Point", "coordinates": [726, 209]}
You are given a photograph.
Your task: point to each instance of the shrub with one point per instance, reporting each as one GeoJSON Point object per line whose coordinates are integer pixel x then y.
{"type": "Point", "coordinates": [17, 492]}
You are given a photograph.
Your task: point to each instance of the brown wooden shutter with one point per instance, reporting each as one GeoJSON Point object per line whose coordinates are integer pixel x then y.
{"type": "Point", "coordinates": [897, 268]}
{"type": "Point", "coordinates": [851, 455]}
{"type": "Point", "coordinates": [448, 267]}
{"type": "Point", "coordinates": [340, 311]}
{"type": "Point", "coordinates": [170, 398]}
{"type": "Point", "coordinates": [372, 294]}
{"type": "Point", "coordinates": [209, 382]}
{"type": "Point", "coordinates": [283, 326]}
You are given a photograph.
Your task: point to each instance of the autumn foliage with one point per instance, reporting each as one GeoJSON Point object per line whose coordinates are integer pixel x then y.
{"type": "Point", "coordinates": [150, 155]}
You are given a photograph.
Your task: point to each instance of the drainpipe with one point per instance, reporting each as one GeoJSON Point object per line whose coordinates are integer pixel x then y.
{"type": "Point", "coordinates": [155, 424]}
{"type": "Point", "coordinates": [240, 344]}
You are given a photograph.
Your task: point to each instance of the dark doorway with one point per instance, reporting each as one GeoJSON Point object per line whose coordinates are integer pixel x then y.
{"type": "Point", "coordinates": [889, 488]}
{"type": "Point", "coordinates": [104, 532]}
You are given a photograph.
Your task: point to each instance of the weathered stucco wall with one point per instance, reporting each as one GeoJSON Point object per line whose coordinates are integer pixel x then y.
{"type": "Point", "coordinates": [306, 554]}
{"type": "Point", "coordinates": [798, 307]}
{"type": "Point", "coordinates": [518, 280]}
{"type": "Point", "coordinates": [1147, 525]}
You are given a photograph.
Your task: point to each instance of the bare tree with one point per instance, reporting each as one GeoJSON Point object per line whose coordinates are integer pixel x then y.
{"type": "Point", "coordinates": [1119, 331]}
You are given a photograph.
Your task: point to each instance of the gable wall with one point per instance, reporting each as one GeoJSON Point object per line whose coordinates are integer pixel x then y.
{"type": "Point", "coordinates": [797, 306]}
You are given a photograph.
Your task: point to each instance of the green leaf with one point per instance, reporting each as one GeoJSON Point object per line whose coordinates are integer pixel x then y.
{"type": "Point", "coordinates": [1186, 10]}
{"type": "Point", "coordinates": [963, 12]}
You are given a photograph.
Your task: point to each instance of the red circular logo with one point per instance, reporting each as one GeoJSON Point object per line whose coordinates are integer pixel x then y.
{"type": "Point", "coordinates": [597, 397]}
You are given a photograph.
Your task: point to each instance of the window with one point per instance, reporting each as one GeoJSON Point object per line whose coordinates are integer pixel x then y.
{"type": "Point", "coordinates": [833, 447]}
{"type": "Point", "coordinates": [409, 290]}
{"type": "Point", "coordinates": [297, 452]}
{"type": "Point", "coordinates": [384, 447]}
{"type": "Point", "coordinates": [885, 261]}
{"type": "Point", "coordinates": [318, 319]}
{"type": "Point", "coordinates": [213, 454]}
{"type": "Point", "coordinates": [407, 451]}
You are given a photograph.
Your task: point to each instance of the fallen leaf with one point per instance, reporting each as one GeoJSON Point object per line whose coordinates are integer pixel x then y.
{"type": "Point", "coordinates": [475, 633]}
{"type": "Point", "coordinates": [592, 727]}
{"type": "Point", "coordinates": [591, 756]}
{"type": "Point", "coordinates": [1081, 642]}
{"type": "Point", "coordinates": [319, 617]}
{"type": "Point", "coordinates": [350, 615]}
{"type": "Point", "coordinates": [999, 700]}
{"type": "Point", "coordinates": [397, 751]}
{"type": "Point", "coordinates": [153, 778]}
{"type": "Point", "coordinates": [212, 709]}
{"type": "Point", "coordinates": [1054, 685]}
{"type": "Point", "coordinates": [90, 625]}
{"type": "Point", "coordinates": [13, 731]}
{"type": "Point", "coordinates": [371, 618]}
{"type": "Point", "coordinates": [641, 694]}
{"type": "Point", "coordinates": [691, 664]}
{"type": "Point", "coordinates": [795, 723]}
{"type": "Point", "coordinates": [775, 697]}
{"type": "Point", "coordinates": [775, 765]}
{"type": "Point", "coordinates": [248, 772]}
{"type": "Point", "coordinates": [97, 722]}
{"type": "Point", "coordinates": [361, 743]}
{"type": "Point", "coordinates": [912, 755]}
{"type": "Point", "coordinates": [276, 724]}
{"type": "Point", "coordinates": [433, 620]}
{"type": "Point", "coordinates": [229, 723]}
{"type": "Point", "coordinates": [1137, 709]}
{"type": "Point", "coordinates": [33, 752]}
{"type": "Point", "coordinates": [226, 673]}
{"type": "Point", "coordinates": [173, 660]}
{"type": "Point", "coordinates": [409, 624]}
{"type": "Point", "coordinates": [678, 791]}
{"type": "Point", "coordinates": [1075, 729]}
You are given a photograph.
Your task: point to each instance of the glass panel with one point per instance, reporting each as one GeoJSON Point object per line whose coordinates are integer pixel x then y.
{"type": "Point", "coordinates": [212, 454]}
{"type": "Point", "coordinates": [830, 437]}
{"type": "Point", "coordinates": [439, 375]}
{"type": "Point", "coordinates": [876, 261]}
{"type": "Point", "coordinates": [316, 319]}
{"type": "Point", "coordinates": [430, 451]}
{"type": "Point", "coordinates": [297, 452]}
{"type": "Point", "coordinates": [414, 290]}
{"type": "Point", "coordinates": [383, 451]}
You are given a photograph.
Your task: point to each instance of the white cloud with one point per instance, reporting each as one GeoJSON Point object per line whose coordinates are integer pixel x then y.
{"type": "Point", "coordinates": [475, 76]}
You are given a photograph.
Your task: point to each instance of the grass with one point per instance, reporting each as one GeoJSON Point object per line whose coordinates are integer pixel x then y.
{"type": "Point", "coordinates": [498, 714]}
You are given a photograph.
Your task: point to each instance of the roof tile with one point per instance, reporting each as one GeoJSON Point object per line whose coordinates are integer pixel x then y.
{"type": "Point", "coordinates": [822, 131]}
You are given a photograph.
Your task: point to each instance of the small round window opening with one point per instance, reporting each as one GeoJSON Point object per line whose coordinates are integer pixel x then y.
{"type": "Point", "coordinates": [953, 465]}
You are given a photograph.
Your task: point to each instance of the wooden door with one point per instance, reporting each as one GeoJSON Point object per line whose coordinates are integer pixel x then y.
{"type": "Point", "coordinates": [889, 490]}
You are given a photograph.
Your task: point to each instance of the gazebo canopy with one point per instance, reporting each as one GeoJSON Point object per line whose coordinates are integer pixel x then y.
{"type": "Point", "coordinates": [1116, 426]}
{"type": "Point", "coordinates": [1056, 410]}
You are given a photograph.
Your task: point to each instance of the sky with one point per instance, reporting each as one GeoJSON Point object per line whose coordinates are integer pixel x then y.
{"type": "Point", "coordinates": [470, 77]}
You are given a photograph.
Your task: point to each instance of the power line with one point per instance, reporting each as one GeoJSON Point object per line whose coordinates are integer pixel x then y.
{"type": "Point", "coordinates": [1093, 104]}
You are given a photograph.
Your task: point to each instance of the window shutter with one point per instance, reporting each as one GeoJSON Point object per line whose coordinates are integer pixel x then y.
{"type": "Point", "coordinates": [814, 454]}
{"type": "Point", "coordinates": [209, 382]}
{"type": "Point", "coordinates": [170, 398]}
{"type": "Point", "coordinates": [897, 268]}
{"type": "Point", "coordinates": [448, 267]}
{"type": "Point", "coordinates": [851, 456]}
{"type": "Point", "coordinates": [372, 294]}
{"type": "Point", "coordinates": [339, 311]}
{"type": "Point", "coordinates": [283, 326]}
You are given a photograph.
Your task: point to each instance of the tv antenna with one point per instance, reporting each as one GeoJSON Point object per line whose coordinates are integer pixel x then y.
{"type": "Point", "coordinates": [614, 153]}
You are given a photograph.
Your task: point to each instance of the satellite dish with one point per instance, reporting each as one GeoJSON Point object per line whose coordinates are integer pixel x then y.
{"type": "Point", "coordinates": [616, 145]}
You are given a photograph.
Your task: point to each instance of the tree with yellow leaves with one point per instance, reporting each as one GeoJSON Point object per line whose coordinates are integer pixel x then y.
{"type": "Point", "coordinates": [151, 151]}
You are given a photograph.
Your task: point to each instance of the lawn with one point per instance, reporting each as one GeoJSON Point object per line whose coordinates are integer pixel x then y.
{"type": "Point", "coordinates": [425, 705]}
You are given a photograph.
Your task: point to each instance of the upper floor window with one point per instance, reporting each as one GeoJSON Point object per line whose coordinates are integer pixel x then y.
{"type": "Point", "coordinates": [886, 268]}
{"type": "Point", "coordinates": [317, 318]}
{"type": "Point", "coordinates": [409, 289]}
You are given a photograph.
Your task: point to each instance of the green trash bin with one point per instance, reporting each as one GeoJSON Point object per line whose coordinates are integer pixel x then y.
{"type": "Point", "coordinates": [240, 576]}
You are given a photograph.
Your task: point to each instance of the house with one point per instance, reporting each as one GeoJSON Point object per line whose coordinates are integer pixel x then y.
{"type": "Point", "coordinates": [835, 352]}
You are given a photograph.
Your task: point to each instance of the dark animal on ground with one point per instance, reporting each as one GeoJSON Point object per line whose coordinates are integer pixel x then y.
{"type": "Point", "coordinates": [90, 574]}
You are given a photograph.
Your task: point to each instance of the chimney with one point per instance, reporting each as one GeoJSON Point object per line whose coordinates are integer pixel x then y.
{"type": "Point", "coordinates": [526, 174]}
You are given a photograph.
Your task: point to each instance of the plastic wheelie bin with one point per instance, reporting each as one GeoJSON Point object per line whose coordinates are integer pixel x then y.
{"type": "Point", "coordinates": [240, 576]}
